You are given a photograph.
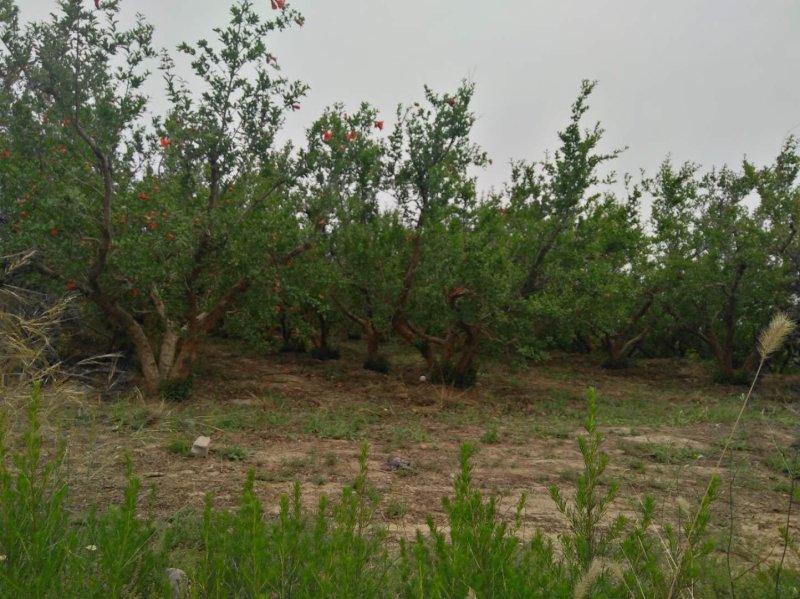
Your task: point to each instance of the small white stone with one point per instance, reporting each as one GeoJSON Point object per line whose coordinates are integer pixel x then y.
{"type": "Point", "coordinates": [200, 446]}
{"type": "Point", "coordinates": [423, 378]}
{"type": "Point", "coordinates": [179, 583]}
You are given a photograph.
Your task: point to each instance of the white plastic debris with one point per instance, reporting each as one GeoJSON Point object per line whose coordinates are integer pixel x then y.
{"type": "Point", "coordinates": [200, 446]}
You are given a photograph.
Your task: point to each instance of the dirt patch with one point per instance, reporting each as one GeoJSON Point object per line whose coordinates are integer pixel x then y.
{"type": "Point", "coordinates": [289, 418]}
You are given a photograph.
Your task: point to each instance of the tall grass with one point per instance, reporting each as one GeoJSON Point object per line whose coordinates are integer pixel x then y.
{"type": "Point", "coordinates": [339, 549]}
{"type": "Point", "coordinates": [685, 554]}
{"type": "Point", "coordinates": [28, 328]}
{"type": "Point", "coordinates": [46, 552]}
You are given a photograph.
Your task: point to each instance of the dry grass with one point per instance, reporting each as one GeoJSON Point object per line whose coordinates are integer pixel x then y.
{"type": "Point", "coordinates": [30, 324]}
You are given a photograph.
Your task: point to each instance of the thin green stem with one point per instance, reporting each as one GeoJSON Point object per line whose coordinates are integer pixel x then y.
{"type": "Point", "coordinates": [680, 558]}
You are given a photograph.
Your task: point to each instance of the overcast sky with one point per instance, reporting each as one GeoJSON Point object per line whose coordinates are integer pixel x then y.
{"type": "Point", "coordinates": [703, 80]}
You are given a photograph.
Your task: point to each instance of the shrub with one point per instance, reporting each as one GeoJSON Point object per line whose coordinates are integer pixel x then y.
{"type": "Point", "coordinates": [483, 554]}
{"type": "Point", "coordinates": [112, 555]}
{"type": "Point", "coordinates": [739, 377]}
{"type": "Point", "coordinates": [294, 346]}
{"type": "Point", "coordinates": [325, 353]}
{"type": "Point", "coordinates": [177, 390]}
{"type": "Point", "coordinates": [586, 539]}
{"type": "Point", "coordinates": [296, 554]}
{"type": "Point", "coordinates": [379, 363]}
{"type": "Point", "coordinates": [446, 373]}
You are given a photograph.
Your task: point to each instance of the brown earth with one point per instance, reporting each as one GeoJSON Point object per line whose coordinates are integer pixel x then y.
{"type": "Point", "coordinates": [290, 418]}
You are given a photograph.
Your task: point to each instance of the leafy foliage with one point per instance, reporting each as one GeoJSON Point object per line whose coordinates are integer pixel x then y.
{"type": "Point", "coordinates": [172, 227]}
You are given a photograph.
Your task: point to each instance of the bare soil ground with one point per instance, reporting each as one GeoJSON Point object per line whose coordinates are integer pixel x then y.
{"type": "Point", "coordinates": [290, 418]}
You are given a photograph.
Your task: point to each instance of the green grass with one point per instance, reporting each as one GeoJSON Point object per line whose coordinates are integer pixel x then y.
{"type": "Point", "coordinates": [125, 416]}
{"type": "Point", "coordinates": [786, 463]}
{"type": "Point", "coordinates": [274, 477]}
{"type": "Point", "coordinates": [290, 469]}
{"type": "Point", "coordinates": [394, 510]}
{"type": "Point", "coordinates": [490, 435]}
{"type": "Point", "coordinates": [660, 453]}
{"type": "Point", "coordinates": [336, 425]}
{"type": "Point", "coordinates": [670, 454]}
{"type": "Point", "coordinates": [233, 453]}
{"type": "Point", "coordinates": [179, 447]}
{"type": "Point", "coordinates": [404, 435]}
{"type": "Point", "coordinates": [637, 465]}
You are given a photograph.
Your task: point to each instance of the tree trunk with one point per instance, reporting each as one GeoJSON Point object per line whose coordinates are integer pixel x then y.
{"type": "Point", "coordinates": [616, 357]}
{"type": "Point", "coordinates": [169, 348]}
{"type": "Point", "coordinates": [370, 332]}
{"type": "Point", "coordinates": [373, 342]}
{"type": "Point", "coordinates": [286, 331]}
{"type": "Point", "coordinates": [619, 349]}
{"type": "Point", "coordinates": [324, 332]}
{"type": "Point", "coordinates": [147, 360]}
{"type": "Point", "coordinates": [185, 359]}
{"type": "Point", "coordinates": [424, 346]}
{"type": "Point", "coordinates": [464, 370]}
{"type": "Point", "coordinates": [141, 344]}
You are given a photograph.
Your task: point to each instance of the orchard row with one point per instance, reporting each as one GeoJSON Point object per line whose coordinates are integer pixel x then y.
{"type": "Point", "coordinates": [170, 227]}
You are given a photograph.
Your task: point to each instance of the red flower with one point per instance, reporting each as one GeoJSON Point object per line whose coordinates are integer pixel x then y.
{"type": "Point", "coordinates": [379, 125]}
{"type": "Point", "coordinates": [451, 101]}
{"type": "Point", "coordinates": [327, 135]}
{"type": "Point", "coordinates": [5, 154]}
{"type": "Point", "coordinates": [164, 142]}
{"type": "Point", "coordinates": [70, 285]}
{"type": "Point", "coordinates": [295, 105]}
{"type": "Point", "coordinates": [276, 4]}
{"type": "Point", "coordinates": [143, 196]}
{"type": "Point", "coordinates": [65, 123]}
{"type": "Point", "coordinates": [23, 214]}
{"type": "Point", "coordinates": [352, 136]}
{"type": "Point", "coordinates": [151, 225]}
{"type": "Point", "coordinates": [54, 232]}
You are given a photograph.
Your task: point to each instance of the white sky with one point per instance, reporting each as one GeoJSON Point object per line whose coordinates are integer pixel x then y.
{"type": "Point", "coordinates": [704, 80]}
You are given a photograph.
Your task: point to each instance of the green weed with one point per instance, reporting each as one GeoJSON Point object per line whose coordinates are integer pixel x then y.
{"type": "Point", "coordinates": [180, 447]}
{"type": "Point", "coordinates": [335, 425]}
{"type": "Point", "coordinates": [234, 453]}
